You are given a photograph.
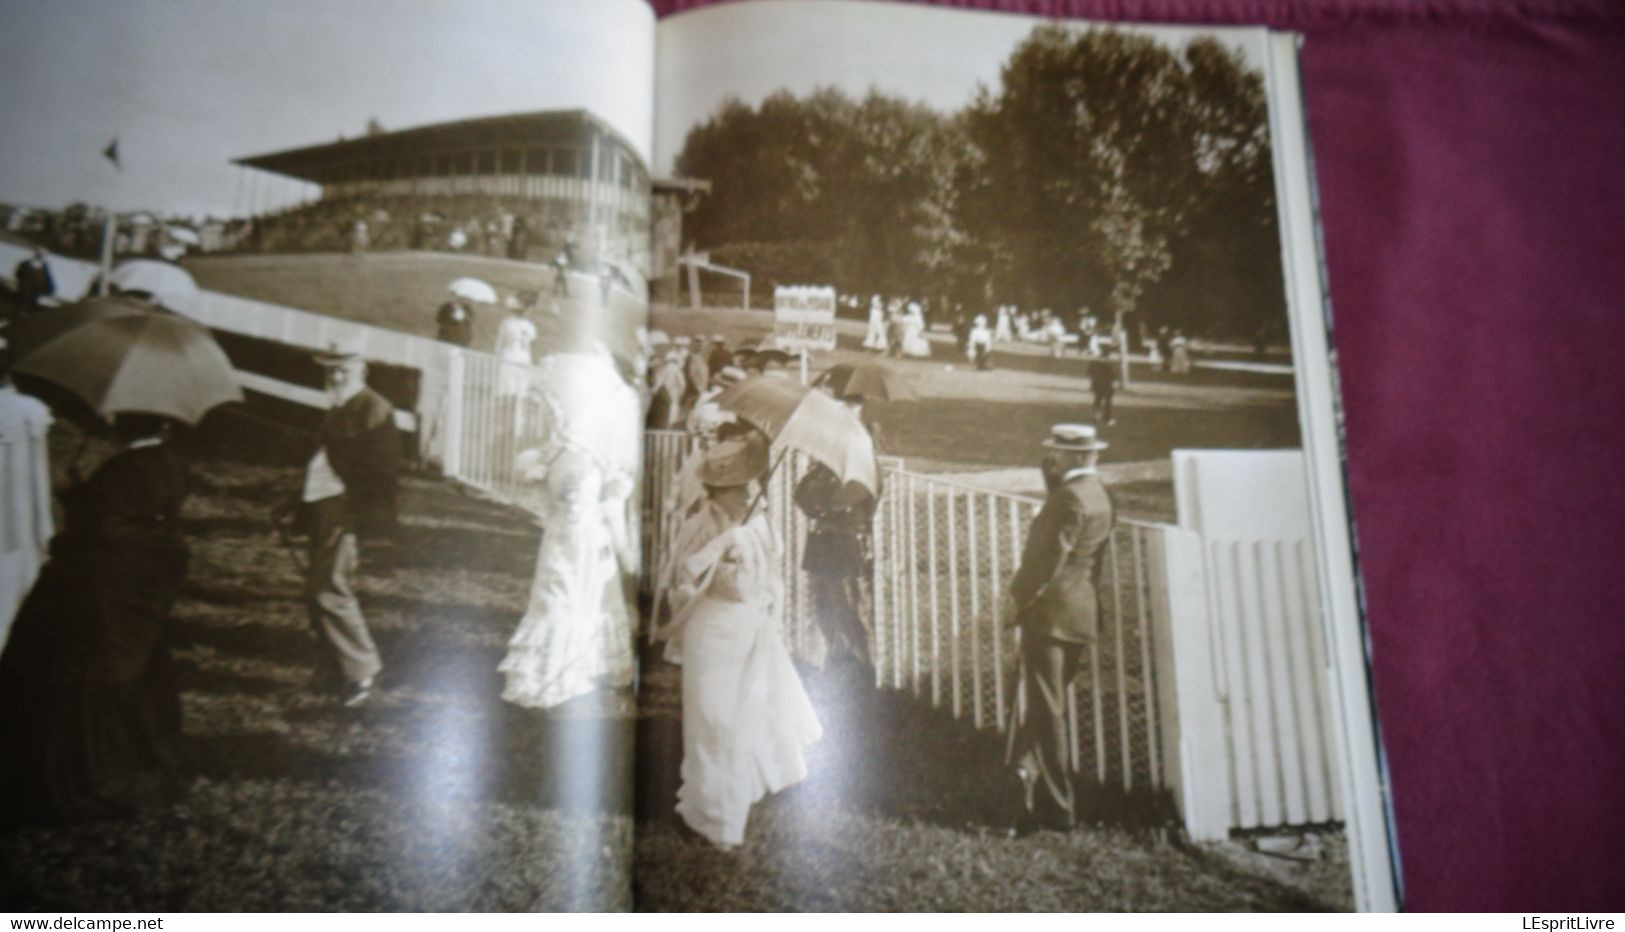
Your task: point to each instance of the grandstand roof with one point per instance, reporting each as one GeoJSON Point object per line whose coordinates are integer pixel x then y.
{"type": "Point", "coordinates": [542, 127]}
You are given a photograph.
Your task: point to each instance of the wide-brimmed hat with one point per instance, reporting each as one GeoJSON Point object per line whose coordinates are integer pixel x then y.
{"type": "Point", "coordinates": [731, 375]}
{"type": "Point", "coordinates": [736, 462]}
{"type": "Point", "coordinates": [1080, 438]}
{"type": "Point", "coordinates": [338, 354]}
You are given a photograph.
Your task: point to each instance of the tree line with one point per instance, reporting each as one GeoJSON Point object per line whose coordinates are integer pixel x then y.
{"type": "Point", "coordinates": [1107, 173]}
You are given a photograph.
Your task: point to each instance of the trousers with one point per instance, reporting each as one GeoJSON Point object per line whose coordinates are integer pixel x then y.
{"type": "Point", "coordinates": [330, 597]}
{"type": "Point", "coordinates": [1039, 742]}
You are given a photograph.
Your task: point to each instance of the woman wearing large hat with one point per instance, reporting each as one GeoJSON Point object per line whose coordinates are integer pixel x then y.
{"type": "Point", "coordinates": [746, 717]}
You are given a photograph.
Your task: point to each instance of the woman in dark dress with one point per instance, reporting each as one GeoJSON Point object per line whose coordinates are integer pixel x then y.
{"type": "Point", "coordinates": [89, 707]}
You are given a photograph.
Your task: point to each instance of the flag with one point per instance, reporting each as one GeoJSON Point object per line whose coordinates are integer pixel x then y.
{"type": "Point", "coordinates": [111, 153]}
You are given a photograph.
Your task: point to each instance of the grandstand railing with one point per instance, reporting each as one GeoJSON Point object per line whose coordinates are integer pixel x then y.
{"type": "Point", "coordinates": [943, 553]}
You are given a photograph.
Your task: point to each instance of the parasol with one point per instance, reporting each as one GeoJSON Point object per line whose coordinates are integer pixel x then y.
{"type": "Point", "coordinates": [801, 418]}
{"type": "Point", "coordinates": [182, 234]}
{"type": "Point", "coordinates": [148, 363]}
{"type": "Point", "coordinates": [473, 289]}
{"type": "Point", "coordinates": [866, 380]}
{"type": "Point", "coordinates": [164, 282]}
{"type": "Point", "coordinates": [32, 332]}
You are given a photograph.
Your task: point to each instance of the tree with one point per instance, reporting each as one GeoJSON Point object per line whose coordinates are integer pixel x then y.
{"type": "Point", "coordinates": [867, 183]}
{"type": "Point", "coordinates": [1115, 172]}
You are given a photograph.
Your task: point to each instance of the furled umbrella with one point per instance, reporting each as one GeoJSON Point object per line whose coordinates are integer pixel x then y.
{"type": "Point", "coordinates": [164, 282]}
{"type": "Point", "coordinates": [867, 380]}
{"type": "Point", "coordinates": [473, 289]}
{"type": "Point", "coordinates": [801, 418]}
{"type": "Point", "coordinates": [150, 363]}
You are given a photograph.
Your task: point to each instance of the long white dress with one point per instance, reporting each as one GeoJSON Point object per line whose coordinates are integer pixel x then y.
{"type": "Point", "coordinates": [576, 635]}
{"type": "Point", "coordinates": [914, 342]}
{"type": "Point", "coordinates": [25, 499]}
{"type": "Point", "coordinates": [514, 338]}
{"type": "Point", "coordinates": [875, 337]}
{"type": "Point", "coordinates": [747, 720]}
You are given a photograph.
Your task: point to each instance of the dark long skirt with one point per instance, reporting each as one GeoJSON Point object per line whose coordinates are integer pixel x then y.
{"type": "Point", "coordinates": [90, 713]}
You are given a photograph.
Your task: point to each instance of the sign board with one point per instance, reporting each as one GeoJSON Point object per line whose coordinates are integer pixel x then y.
{"type": "Point", "coordinates": [804, 317]}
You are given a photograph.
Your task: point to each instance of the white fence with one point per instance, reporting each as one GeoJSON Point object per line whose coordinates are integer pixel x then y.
{"type": "Point", "coordinates": [1204, 686]}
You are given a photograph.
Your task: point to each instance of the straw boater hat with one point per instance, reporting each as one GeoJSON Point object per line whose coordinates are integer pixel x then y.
{"type": "Point", "coordinates": [1079, 438]}
{"type": "Point", "coordinates": [731, 375]}
{"type": "Point", "coordinates": [338, 354]}
{"type": "Point", "coordinates": [732, 463]}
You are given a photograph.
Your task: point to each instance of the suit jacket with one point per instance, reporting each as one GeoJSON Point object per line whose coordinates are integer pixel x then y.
{"type": "Point", "coordinates": [364, 447]}
{"type": "Point", "coordinates": [33, 280]}
{"type": "Point", "coordinates": [1057, 588]}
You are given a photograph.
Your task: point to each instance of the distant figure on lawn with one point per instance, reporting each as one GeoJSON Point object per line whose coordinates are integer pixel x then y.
{"type": "Point", "coordinates": [454, 322]}
{"type": "Point", "coordinates": [979, 344]}
{"type": "Point", "coordinates": [1057, 598]}
{"type": "Point", "coordinates": [90, 713]}
{"type": "Point", "coordinates": [349, 496]}
{"type": "Point", "coordinates": [1103, 377]}
{"type": "Point", "coordinates": [874, 338]}
{"type": "Point", "coordinates": [1179, 354]}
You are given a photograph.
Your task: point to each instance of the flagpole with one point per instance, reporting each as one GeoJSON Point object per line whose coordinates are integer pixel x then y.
{"type": "Point", "coordinates": [109, 230]}
{"type": "Point", "coordinates": [109, 223]}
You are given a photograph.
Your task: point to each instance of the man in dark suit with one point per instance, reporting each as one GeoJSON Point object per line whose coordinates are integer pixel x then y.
{"type": "Point", "coordinates": [349, 496]}
{"type": "Point", "coordinates": [33, 280]}
{"type": "Point", "coordinates": [1057, 598]}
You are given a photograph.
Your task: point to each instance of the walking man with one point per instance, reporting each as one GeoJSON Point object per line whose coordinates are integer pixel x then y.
{"type": "Point", "coordinates": [1057, 598]}
{"type": "Point", "coordinates": [348, 496]}
{"type": "Point", "coordinates": [1103, 376]}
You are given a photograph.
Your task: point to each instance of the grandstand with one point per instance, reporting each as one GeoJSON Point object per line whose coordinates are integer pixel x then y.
{"type": "Point", "coordinates": [519, 186]}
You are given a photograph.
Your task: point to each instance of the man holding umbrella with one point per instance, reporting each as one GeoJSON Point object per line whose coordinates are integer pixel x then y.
{"type": "Point", "coordinates": [349, 495]}
{"type": "Point", "coordinates": [1057, 599]}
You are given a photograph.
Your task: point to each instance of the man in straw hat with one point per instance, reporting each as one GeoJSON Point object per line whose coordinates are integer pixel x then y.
{"type": "Point", "coordinates": [1057, 598]}
{"type": "Point", "coordinates": [349, 493]}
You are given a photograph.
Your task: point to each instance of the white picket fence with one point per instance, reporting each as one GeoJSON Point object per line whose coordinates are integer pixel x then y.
{"type": "Point", "coordinates": [1204, 686]}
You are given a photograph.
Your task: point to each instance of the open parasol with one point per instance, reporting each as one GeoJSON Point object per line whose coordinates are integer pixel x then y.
{"type": "Point", "coordinates": [866, 380]}
{"type": "Point", "coordinates": [801, 418]}
{"type": "Point", "coordinates": [150, 363]}
{"type": "Point", "coordinates": [35, 331]}
{"type": "Point", "coordinates": [473, 289]}
{"type": "Point", "coordinates": [164, 282]}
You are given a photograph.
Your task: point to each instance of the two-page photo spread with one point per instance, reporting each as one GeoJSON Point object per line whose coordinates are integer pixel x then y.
{"type": "Point", "coordinates": [798, 455]}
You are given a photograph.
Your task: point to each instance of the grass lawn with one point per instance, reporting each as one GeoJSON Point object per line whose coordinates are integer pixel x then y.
{"type": "Point", "coordinates": [901, 812]}
{"type": "Point", "coordinates": [967, 420]}
{"type": "Point", "coordinates": [402, 290]}
{"type": "Point", "coordinates": [437, 796]}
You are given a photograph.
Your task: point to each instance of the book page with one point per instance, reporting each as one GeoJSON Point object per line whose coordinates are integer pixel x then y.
{"type": "Point", "coordinates": [993, 564]}
{"type": "Point", "coordinates": [318, 410]}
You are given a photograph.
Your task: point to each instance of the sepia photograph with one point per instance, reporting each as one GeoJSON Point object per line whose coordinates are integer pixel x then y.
{"type": "Point", "coordinates": [976, 385]}
{"type": "Point", "coordinates": [805, 455]}
{"type": "Point", "coordinates": [319, 409]}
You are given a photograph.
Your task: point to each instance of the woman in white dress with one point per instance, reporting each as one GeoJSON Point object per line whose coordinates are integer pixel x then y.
{"type": "Point", "coordinates": [914, 342]}
{"type": "Point", "coordinates": [875, 337]}
{"type": "Point", "coordinates": [747, 720]}
{"type": "Point", "coordinates": [515, 335]}
{"type": "Point", "coordinates": [577, 632]}
{"type": "Point", "coordinates": [1002, 330]}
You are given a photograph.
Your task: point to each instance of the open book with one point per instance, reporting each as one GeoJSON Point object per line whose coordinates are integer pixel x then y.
{"type": "Point", "coordinates": [794, 455]}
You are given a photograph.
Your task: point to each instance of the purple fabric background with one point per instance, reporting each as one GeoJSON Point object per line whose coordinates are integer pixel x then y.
{"type": "Point", "coordinates": [1471, 161]}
